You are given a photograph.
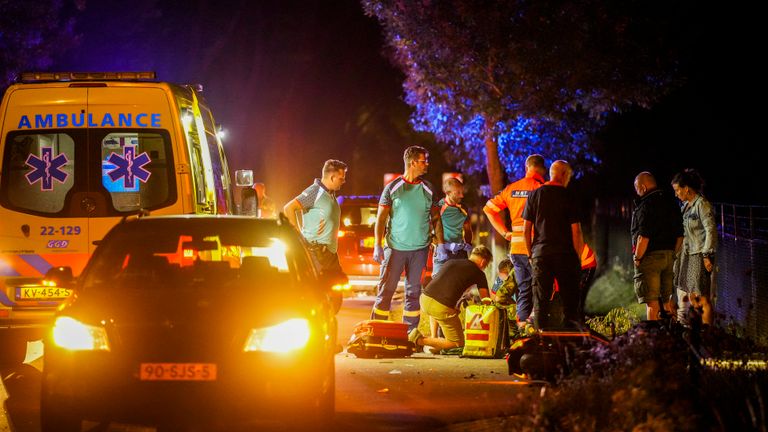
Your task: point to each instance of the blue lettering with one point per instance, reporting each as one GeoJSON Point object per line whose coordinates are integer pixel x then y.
{"type": "Point", "coordinates": [43, 121]}
{"type": "Point", "coordinates": [75, 123]}
{"type": "Point", "coordinates": [107, 120]}
{"type": "Point", "coordinates": [125, 120]}
{"type": "Point", "coordinates": [79, 120]}
{"type": "Point", "coordinates": [24, 123]}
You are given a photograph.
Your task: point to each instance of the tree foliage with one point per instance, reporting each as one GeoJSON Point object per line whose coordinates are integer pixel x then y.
{"type": "Point", "coordinates": [523, 76]}
{"type": "Point", "coordinates": [33, 34]}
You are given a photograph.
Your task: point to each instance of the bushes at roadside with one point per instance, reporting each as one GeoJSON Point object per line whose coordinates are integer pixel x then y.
{"type": "Point", "coordinates": [649, 380]}
{"type": "Point", "coordinates": [611, 290]}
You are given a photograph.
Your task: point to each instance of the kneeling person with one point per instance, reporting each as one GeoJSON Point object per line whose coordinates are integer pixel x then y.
{"type": "Point", "coordinates": [438, 299]}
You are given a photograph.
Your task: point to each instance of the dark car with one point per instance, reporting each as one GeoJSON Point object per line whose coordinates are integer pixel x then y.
{"type": "Point", "coordinates": [194, 320]}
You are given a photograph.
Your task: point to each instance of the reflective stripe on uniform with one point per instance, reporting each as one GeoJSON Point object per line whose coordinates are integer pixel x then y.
{"type": "Point", "coordinates": [381, 312]}
{"type": "Point", "coordinates": [492, 206]}
{"type": "Point", "coordinates": [588, 258]}
{"type": "Point", "coordinates": [411, 313]}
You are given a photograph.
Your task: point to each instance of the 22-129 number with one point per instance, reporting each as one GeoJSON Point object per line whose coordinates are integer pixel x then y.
{"type": "Point", "coordinates": [62, 230]}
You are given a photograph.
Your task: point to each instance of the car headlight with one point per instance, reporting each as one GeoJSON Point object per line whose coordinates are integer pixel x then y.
{"type": "Point", "coordinates": [284, 337]}
{"type": "Point", "coordinates": [73, 335]}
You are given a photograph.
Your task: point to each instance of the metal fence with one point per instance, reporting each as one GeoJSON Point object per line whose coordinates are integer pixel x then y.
{"type": "Point", "coordinates": [742, 268]}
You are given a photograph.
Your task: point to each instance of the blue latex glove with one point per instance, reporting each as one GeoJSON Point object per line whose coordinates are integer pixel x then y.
{"type": "Point", "coordinates": [441, 252]}
{"type": "Point", "coordinates": [468, 247]}
{"type": "Point", "coordinates": [378, 254]}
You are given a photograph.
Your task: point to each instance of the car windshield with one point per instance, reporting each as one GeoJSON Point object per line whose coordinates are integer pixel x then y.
{"type": "Point", "coordinates": [354, 215]}
{"type": "Point", "coordinates": [181, 254]}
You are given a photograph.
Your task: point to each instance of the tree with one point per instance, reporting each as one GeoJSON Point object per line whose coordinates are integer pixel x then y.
{"type": "Point", "coordinates": [523, 76]}
{"type": "Point", "coordinates": [33, 34]}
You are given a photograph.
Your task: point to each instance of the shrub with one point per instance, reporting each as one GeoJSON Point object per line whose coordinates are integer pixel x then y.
{"type": "Point", "coordinates": [650, 379]}
{"type": "Point", "coordinates": [616, 322]}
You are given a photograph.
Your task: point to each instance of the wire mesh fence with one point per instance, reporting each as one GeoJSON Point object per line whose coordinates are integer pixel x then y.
{"type": "Point", "coordinates": [742, 269]}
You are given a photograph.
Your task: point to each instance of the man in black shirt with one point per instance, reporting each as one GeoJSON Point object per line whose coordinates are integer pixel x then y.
{"type": "Point", "coordinates": [438, 299]}
{"type": "Point", "coordinates": [553, 237]}
{"type": "Point", "coordinates": [657, 235]}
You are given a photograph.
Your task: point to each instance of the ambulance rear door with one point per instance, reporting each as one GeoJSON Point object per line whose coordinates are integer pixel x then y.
{"type": "Point", "coordinates": [44, 182]}
{"type": "Point", "coordinates": [131, 136]}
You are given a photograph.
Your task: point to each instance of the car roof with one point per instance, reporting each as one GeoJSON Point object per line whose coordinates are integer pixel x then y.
{"type": "Point", "coordinates": [199, 217]}
{"type": "Point", "coordinates": [357, 199]}
{"type": "Point", "coordinates": [194, 219]}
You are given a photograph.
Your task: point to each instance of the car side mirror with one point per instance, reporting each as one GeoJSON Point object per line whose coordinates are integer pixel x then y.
{"type": "Point", "coordinates": [244, 178]}
{"type": "Point", "coordinates": [61, 276]}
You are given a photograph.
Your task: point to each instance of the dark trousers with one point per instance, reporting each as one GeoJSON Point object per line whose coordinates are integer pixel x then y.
{"type": "Point", "coordinates": [586, 276]}
{"type": "Point", "coordinates": [566, 269]}
{"type": "Point", "coordinates": [524, 287]}
{"type": "Point", "coordinates": [326, 261]}
{"type": "Point", "coordinates": [395, 261]}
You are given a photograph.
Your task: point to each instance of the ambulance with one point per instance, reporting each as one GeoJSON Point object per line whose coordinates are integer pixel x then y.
{"type": "Point", "coordinates": [78, 152]}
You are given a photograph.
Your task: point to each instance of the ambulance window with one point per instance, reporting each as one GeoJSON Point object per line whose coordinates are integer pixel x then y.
{"type": "Point", "coordinates": [218, 177]}
{"type": "Point", "coordinates": [218, 166]}
{"type": "Point", "coordinates": [137, 170]}
{"type": "Point", "coordinates": [38, 171]}
{"type": "Point", "coordinates": [198, 166]}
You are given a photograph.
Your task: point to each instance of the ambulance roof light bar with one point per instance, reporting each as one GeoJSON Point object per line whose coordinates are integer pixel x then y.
{"type": "Point", "coordinates": [36, 77]}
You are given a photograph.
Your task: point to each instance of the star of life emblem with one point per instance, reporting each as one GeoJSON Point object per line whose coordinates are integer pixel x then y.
{"type": "Point", "coordinates": [129, 166]}
{"type": "Point", "coordinates": [46, 168]}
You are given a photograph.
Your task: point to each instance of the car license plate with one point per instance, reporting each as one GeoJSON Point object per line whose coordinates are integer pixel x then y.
{"type": "Point", "coordinates": [42, 293]}
{"type": "Point", "coordinates": [177, 372]}
{"type": "Point", "coordinates": [368, 242]}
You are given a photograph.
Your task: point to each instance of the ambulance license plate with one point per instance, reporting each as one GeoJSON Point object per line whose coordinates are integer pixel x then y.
{"type": "Point", "coordinates": [42, 293]}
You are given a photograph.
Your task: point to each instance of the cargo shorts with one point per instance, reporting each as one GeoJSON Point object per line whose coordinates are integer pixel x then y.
{"type": "Point", "coordinates": [653, 277]}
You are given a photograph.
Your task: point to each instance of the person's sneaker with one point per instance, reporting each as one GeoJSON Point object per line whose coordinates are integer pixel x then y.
{"type": "Point", "coordinates": [452, 351]}
{"type": "Point", "coordinates": [415, 337]}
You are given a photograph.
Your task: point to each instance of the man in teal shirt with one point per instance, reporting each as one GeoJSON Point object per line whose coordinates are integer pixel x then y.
{"type": "Point", "coordinates": [408, 209]}
{"type": "Point", "coordinates": [321, 215]}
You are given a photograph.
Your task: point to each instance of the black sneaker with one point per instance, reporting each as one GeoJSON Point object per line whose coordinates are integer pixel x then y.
{"type": "Point", "coordinates": [415, 337]}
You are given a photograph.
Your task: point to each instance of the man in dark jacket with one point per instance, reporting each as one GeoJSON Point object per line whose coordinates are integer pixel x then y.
{"type": "Point", "coordinates": [657, 234]}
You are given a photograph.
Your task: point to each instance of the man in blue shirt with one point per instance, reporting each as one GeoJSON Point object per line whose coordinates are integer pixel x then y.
{"type": "Point", "coordinates": [321, 215]}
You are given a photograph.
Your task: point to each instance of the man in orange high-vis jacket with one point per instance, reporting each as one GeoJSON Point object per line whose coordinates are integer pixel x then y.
{"type": "Point", "coordinates": [588, 267]}
{"type": "Point", "coordinates": [513, 197]}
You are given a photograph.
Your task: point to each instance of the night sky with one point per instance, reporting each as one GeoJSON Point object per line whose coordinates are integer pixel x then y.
{"type": "Point", "coordinates": [297, 82]}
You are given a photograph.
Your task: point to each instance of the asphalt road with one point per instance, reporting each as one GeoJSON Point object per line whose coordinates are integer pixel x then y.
{"type": "Point", "coordinates": [422, 392]}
